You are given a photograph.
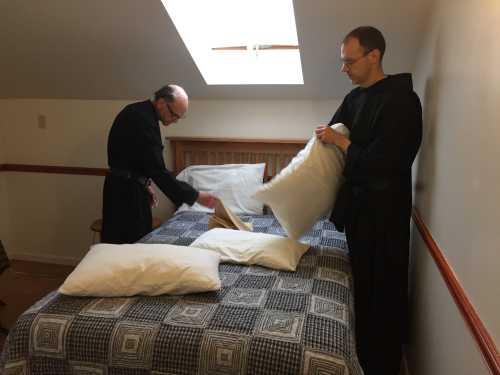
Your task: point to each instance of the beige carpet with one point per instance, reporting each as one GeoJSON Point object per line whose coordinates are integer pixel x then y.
{"type": "Point", "coordinates": [23, 284]}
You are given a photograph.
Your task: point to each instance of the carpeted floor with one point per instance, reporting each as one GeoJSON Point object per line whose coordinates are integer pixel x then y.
{"type": "Point", "coordinates": [23, 284]}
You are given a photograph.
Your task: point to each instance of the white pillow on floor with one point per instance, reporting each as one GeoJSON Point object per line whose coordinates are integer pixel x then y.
{"type": "Point", "coordinates": [147, 269]}
{"type": "Point", "coordinates": [306, 189]}
{"type": "Point", "coordinates": [242, 247]}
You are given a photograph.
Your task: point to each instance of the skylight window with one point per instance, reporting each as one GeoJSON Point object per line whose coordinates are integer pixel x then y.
{"type": "Point", "coordinates": [237, 42]}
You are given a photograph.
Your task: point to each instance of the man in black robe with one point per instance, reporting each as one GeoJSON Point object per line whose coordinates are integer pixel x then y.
{"type": "Point", "coordinates": [135, 157]}
{"type": "Point", "coordinates": [374, 204]}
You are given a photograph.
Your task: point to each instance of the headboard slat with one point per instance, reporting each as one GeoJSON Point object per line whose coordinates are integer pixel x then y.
{"type": "Point", "coordinates": [276, 154]}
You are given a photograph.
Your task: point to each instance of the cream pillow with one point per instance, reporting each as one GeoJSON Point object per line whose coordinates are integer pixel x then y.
{"type": "Point", "coordinates": [306, 189]}
{"type": "Point", "coordinates": [148, 269]}
{"type": "Point", "coordinates": [268, 250]}
{"type": "Point", "coordinates": [233, 183]}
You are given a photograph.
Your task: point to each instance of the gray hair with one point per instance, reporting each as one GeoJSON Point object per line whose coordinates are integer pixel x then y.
{"type": "Point", "coordinates": [166, 92]}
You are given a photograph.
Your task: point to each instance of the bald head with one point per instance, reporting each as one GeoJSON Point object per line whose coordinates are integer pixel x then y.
{"type": "Point", "coordinates": [178, 92]}
{"type": "Point", "coordinates": [171, 103]}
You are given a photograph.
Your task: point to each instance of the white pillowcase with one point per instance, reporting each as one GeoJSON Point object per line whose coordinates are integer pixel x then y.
{"type": "Point", "coordinates": [306, 189]}
{"type": "Point", "coordinates": [234, 184]}
{"type": "Point", "coordinates": [268, 250]}
{"type": "Point", "coordinates": [148, 269]}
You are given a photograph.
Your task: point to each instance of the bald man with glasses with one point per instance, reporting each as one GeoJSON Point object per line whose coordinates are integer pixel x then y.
{"type": "Point", "coordinates": [135, 157]}
{"type": "Point", "coordinates": [373, 206]}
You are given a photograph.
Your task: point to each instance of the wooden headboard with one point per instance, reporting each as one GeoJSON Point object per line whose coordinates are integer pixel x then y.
{"type": "Point", "coordinates": [209, 151]}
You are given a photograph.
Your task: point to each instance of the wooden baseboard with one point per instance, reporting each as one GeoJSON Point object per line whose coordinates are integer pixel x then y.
{"type": "Point", "coordinates": [45, 258]}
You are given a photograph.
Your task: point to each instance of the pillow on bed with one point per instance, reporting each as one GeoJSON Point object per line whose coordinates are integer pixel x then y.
{"type": "Point", "coordinates": [233, 183]}
{"type": "Point", "coordinates": [268, 250]}
{"type": "Point", "coordinates": [306, 189]}
{"type": "Point", "coordinates": [148, 269]}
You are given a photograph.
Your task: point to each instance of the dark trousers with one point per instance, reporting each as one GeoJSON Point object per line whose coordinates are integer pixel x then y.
{"type": "Point", "coordinates": [126, 213]}
{"type": "Point", "coordinates": [378, 243]}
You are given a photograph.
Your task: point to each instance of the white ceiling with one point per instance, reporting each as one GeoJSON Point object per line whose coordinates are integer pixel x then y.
{"type": "Point", "coordinates": [125, 49]}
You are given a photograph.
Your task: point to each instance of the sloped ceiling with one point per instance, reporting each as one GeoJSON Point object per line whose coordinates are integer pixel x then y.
{"type": "Point", "coordinates": [125, 49]}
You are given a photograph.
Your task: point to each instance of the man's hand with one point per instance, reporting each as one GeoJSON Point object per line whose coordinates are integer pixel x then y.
{"type": "Point", "coordinates": [327, 135]}
{"type": "Point", "coordinates": [206, 199]}
{"type": "Point", "coordinates": [152, 196]}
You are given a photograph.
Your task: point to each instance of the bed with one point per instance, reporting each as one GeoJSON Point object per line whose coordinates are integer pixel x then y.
{"type": "Point", "coordinates": [261, 321]}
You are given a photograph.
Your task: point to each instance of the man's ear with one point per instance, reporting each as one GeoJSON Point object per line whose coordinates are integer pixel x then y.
{"type": "Point", "coordinates": [159, 103]}
{"type": "Point", "coordinates": [374, 56]}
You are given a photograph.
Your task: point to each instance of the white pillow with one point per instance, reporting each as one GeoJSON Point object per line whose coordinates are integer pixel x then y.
{"type": "Point", "coordinates": [306, 189]}
{"type": "Point", "coordinates": [233, 183]}
{"type": "Point", "coordinates": [148, 269]}
{"type": "Point", "coordinates": [268, 250]}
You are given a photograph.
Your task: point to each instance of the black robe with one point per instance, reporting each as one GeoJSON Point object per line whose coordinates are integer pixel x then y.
{"type": "Point", "coordinates": [134, 145]}
{"type": "Point", "coordinates": [374, 206]}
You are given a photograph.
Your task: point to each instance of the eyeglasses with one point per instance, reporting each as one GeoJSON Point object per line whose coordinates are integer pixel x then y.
{"type": "Point", "coordinates": [174, 115]}
{"type": "Point", "coordinates": [350, 63]}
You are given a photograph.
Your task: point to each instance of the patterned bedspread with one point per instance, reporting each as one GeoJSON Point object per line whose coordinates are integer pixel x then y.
{"type": "Point", "coordinates": [262, 321]}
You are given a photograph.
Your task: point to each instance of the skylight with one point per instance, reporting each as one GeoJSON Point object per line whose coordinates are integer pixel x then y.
{"type": "Point", "coordinates": [238, 42]}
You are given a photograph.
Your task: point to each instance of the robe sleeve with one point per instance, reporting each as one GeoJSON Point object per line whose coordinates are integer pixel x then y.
{"type": "Point", "coordinates": [154, 167]}
{"type": "Point", "coordinates": [392, 150]}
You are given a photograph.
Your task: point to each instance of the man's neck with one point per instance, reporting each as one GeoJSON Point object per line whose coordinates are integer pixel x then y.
{"type": "Point", "coordinates": [374, 78]}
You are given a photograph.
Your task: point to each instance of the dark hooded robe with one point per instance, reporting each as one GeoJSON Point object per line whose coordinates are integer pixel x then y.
{"type": "Point", "coordinates": [135, 155]}
{"type": "Point", "coordinates": [373, 206]}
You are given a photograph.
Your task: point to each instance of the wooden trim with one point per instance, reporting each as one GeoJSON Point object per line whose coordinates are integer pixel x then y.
{"type": "Point", "coordinates": [484, 340]}
{"type": "Point", "coordinates": [53, 169]}
{"type": "Point", "coordinates": [265, 144]}
{"type": "Point", "coordinates": [276, 154]}
{"type": "Point", "coordinates": [237, 140]}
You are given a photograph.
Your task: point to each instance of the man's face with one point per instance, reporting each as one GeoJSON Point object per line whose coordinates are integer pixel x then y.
{"type": "Point", "coordinates": [355, 61]}
{"type": "Point", "coordinates": [170, 112]}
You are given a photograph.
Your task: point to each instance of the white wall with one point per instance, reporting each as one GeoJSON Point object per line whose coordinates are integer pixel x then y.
{"type": "Point", "coordinates": [50, 214]}
{"type": "Point", "coordinates": [458, 79]}
{"type": "Point", "coordinates": [440, 340]}
{"type": "Point", "coordinates": [4, 210]}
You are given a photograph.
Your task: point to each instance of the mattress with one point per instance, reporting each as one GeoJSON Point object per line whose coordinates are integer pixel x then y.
{"type": "Point", "coordinates": [261, 321]}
